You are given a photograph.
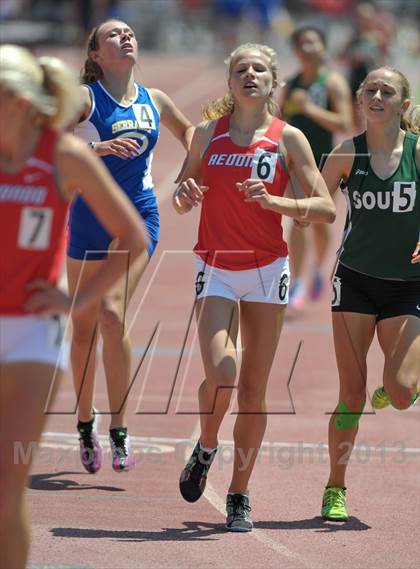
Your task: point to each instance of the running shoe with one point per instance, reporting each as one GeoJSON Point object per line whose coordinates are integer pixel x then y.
{"type": "Point", "coordinates": [380, 399]}
{"type": "Point", "coordinates": [297, 294]}
{"type": "Point", "coordinates": [334, 504]}
{"type": "Point", "coordinates": [122, 454]}
{"type": "Point", "coordinates": [193, 478]}
{"type": "Point", "coordinates": [90, 449]}
{"type": "Point", "coordinates": [237, 510]}
{"type": "Point", "coordinates": [317, 285]}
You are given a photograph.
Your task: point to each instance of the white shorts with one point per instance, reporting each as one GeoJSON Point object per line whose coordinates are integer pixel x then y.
{"type": "Point", "coordinates": [269, 284]}
{"type": "Point", "coordinates": [33, 339]}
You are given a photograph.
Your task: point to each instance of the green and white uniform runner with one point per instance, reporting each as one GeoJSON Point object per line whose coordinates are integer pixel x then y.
{"type": "Point", "coordinates": [383, 220]}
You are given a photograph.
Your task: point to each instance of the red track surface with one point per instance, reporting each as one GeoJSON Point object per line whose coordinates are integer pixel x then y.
{"type": "Point", "coordinates": [138, 519]}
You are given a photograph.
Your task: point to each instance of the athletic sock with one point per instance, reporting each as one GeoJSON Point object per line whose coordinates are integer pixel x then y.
{"type": "Point", "coordinates": [207, 450]}
{"type": "Point", "coordinates": [85, 425]}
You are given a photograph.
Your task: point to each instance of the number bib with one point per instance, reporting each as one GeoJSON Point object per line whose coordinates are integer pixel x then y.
{"type": "Point", "coordinates": [144, 116]}
{"type": "Point", "coordinates": [35, 228]}
{"type": "Point", "coordinates": [264, 165]}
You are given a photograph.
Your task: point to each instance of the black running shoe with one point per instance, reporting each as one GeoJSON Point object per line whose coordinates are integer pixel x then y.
{"type": "Point", "coordinates": [122, 454]}
{"type": "Point", "coordinates": [194, 476]}
{"type": "Point", "coordinates": [90, 449]}
{"type": "Point", "coordinates": [237, 510]}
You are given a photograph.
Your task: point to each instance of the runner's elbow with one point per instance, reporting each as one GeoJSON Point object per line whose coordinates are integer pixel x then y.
{"type": "Point", "coordinates": [330, 213]}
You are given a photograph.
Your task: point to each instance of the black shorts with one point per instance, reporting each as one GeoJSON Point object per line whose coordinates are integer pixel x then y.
{"type": "Point", "coordinates": [356, 292]}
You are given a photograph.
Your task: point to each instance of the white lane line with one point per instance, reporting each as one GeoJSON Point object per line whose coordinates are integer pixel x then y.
{"type": "Point", "coordinates": [66, 440]}
{"type": "Point", "coordinates": [218, 503]}
{"type": "Point", "coordinates": [43, 566]}
{"type": "Point", "coordinates": [266, 445]}
{"type": "Point", "coordinates": [259, 534]}
{"type": "Point", "coordinates": [108, 497]}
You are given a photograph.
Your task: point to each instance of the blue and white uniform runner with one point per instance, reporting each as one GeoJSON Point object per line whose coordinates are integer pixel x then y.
{"type": "Point", "coordinates": [109, 119]}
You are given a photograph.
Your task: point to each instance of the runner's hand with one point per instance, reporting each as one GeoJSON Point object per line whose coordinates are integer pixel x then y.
{"type": "Point", "coordinates": [47, 299]}
{"type": "Point", "coordinates": [122, 147]}
{"type": "Point", "coordinates": [415, 258]}
{"type": "Point", "coordinates": [255, 192]}
{"type": "Point", "coordinates": [189, 194]}
{"type": "Point", "coordinates": [300, 224]}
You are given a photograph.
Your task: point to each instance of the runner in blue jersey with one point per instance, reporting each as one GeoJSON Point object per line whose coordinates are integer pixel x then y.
{"type": "Point", "coordinates": [120, 122]}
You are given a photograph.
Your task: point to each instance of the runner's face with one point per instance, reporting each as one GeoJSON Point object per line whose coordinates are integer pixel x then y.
{"type": "Point", "coordinates": [116, 43]}
{"type": "Point", "coordinates": [13, 113]}
{"type": "Point", "coordinates": [381, 96]}
{"type": "Point", "coordinates": [251, 76]}
{"type": "Point", "coordinates": [309, 47]}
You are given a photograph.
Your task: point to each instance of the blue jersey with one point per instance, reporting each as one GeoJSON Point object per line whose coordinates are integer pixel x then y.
{"type": "Point", "coordinates": [109, 119]}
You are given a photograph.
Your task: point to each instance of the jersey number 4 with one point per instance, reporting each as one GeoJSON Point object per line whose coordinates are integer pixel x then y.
{"type": "Point", "coordinates": [144, 116]}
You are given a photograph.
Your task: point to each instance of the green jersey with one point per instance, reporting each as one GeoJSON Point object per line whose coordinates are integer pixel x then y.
{"type": "Point", "coordinates": [383, 220]}
{"type": "Point", "coordinates": [320, 139]}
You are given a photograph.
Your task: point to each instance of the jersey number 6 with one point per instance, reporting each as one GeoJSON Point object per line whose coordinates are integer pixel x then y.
{"type": "Point", "coordinates": [264, 165]}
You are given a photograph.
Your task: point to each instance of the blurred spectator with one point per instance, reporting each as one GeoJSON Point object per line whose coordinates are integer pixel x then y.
{"type": "Point", "coordinates": [260, 21]}
{"type": "Point", "coordinates": [368, 46]}
{"type": "Point", "coordinates": [318, 102]}
{"type": "Point", "coordinates": [336, 7]}
{"type": "Point", "coordinates": [11, 8]}
{"type": "Point", "coordinates": [228, 15]}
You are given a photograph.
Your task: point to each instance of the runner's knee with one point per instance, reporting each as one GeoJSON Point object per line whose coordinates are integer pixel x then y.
{"type": "Point", "coordinates": [110, 321]}
{"type": "Point", "coordinates": [251, 399]}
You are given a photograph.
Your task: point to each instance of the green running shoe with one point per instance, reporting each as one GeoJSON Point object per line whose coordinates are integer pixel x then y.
{"type": "Point", "coordinates": [380, 399]}
{"type": "Point", "coordinates": [237, 513]}
{"type": "Point", "coordinates": [334, 504]}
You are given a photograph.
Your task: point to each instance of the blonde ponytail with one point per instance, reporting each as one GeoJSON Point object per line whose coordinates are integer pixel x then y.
{"type": "Point", "coordinates": [411, 120]}
{"type": "Point", "coordinates": [47, 83]}
{"type": "Point", "coordinates": [219, 108]}
{"type": "Point", "coordinates": [61, 84]}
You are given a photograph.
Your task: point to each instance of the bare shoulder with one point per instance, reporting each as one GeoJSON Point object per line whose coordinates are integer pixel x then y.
{"type": "Point", "coordinates": [87, 102]}
{"type": "Point", "coordinates": [336, 81]}
{"type": "Point", "coordinates": [341, 158]}
{"type": "Point", "coordinates": [157, 93]}
{"type": "Point", "coordinates": [160, 98]}
{"type": "Point", "coordinates": [206, 127]}
{"type": "Point", "coordinates": [85, 93]}
{"type": "Point", "coordinates": [345, 148]}
{"type": "Point", "coordinates": [204, 132]}
{"type": "Point", "coordinates": [73, 157]}
{"type": "Point", "coordinates": [71, 147]}
{"type": "Point", "coordinates": [292, 136]}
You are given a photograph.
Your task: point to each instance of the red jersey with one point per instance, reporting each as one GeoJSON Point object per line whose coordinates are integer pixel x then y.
{"type": "Point", "coordinates": [32, 219]}
{"type": "Point", "coordinates": [233, 233]}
